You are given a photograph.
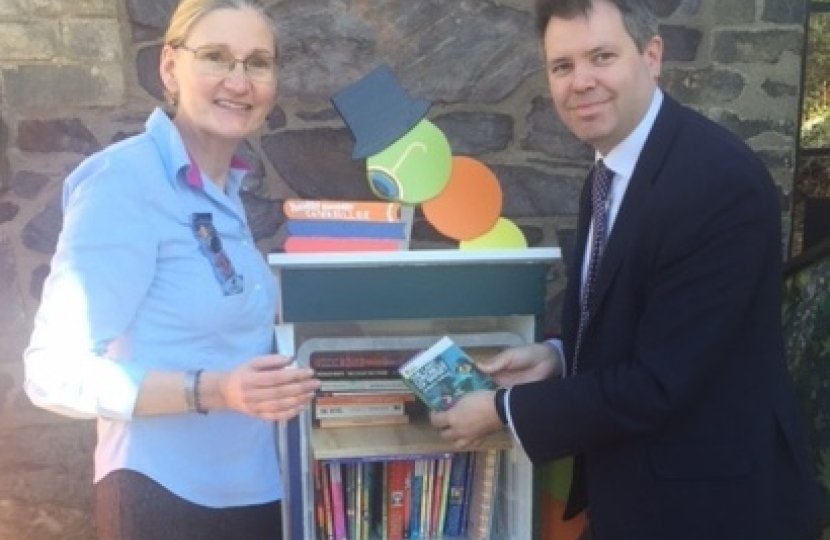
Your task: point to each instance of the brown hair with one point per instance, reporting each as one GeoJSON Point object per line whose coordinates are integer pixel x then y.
{"type": "Point", "coordinates": [638, 19]}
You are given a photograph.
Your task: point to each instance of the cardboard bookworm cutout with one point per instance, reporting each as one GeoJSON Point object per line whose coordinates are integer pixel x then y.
{"type": "Point", "coordinates": [409, 160]}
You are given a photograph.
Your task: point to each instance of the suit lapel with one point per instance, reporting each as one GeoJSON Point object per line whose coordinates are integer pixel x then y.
{"type": "Point", "coordinates": [636, 203]}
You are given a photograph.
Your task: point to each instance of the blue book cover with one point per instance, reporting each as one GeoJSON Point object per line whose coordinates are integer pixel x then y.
{"type": "Point", "coordinates": [456, 495]}
{"type": "Point", "coordinates": [442, 374]}
{"type": "Point", "coordinates": [395, 230]}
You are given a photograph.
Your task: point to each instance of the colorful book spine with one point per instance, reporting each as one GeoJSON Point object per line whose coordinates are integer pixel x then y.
{"type": "Point", "coordinates": [358, 359]}
{"type": "Point", "coordinates": [304, 244]}
{"type": "Point", "coordinates": [456, 493]}
{"type": "Point", "coordinates": [468, 490]}
{"type": "Point", "coordinates": [319, 506]}
{"type": "Point", "coordinates": [337, 502]}
{"type": "Point", "coordinates": [484, 493]}
{"type": "Point", "coordinates": [341, 210]}
{"type": "Point", "coordinates": [414, 525]}
{"type": "Point", "coordinates": [326, 486]}
{"type": "Point", "coordinates": [396, 486]}
{"type": "Point", "coordinates": [371, 373]}
{"type": "Point", "coordinates": [358, 398]}
{"type": "Point", "coordinates": [350, 502]}
{"type": "Point", "coordinates": [392, 230]}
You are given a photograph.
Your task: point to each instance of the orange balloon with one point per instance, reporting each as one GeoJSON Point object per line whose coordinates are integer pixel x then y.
{"type": "Point", "coordinates": [470, 203]}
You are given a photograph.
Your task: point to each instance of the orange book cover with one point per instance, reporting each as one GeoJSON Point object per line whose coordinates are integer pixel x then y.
{"type": "Point", "coordinates": [341, 210]}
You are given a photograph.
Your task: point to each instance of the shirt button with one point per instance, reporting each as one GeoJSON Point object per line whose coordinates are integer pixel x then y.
{"type": "Point", "coordinates": [257, 286]}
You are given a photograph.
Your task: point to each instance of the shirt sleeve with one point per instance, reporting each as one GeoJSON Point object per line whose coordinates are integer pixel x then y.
{"type": "Point", "coordinates": [102, 268]}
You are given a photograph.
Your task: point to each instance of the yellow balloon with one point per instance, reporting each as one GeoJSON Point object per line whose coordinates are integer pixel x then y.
{"type": "Point", "coordinates": [504, 235]}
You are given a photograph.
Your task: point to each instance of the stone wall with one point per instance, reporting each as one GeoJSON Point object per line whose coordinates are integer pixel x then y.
{"type": "Point", "coordinates": [76, 75]}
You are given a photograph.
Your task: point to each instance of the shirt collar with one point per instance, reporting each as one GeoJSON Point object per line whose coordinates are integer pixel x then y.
{"type": "Point", "coordinates": [176, 158]}
{"type": "Point", "coordinates": [623, 158]}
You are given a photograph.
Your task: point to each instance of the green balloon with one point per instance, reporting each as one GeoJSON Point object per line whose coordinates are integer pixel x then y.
{"type": "Point", "coordinates": [413, 169]}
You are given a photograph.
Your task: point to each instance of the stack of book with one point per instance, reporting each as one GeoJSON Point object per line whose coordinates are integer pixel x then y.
{"type": "Point", "coordinates": [360, 388]}
{"type": "Point", "coordinates": [323, 226]}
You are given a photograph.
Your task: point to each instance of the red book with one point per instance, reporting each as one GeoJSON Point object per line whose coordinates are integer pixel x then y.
{"type": "Point", "coordinates": [300, 244]}
{"type": "Point", "coordinates": [395, 489]}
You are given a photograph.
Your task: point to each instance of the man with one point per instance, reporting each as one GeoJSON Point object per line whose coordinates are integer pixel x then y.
{"type": "Point", "coordinates": [671, 390]}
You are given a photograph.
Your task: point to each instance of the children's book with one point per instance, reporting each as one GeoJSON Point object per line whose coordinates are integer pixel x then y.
{"type": "Point", "coordinates": [443, 373]}
{"type": "Point", "coordinates": [342, 210]}
{"type": "Point", "coordinates": [391, 230]}
{"type": "Point", "coordinates": [308, 244]}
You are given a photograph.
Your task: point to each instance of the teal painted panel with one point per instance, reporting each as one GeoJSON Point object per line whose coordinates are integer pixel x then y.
{"type": "Point", "coordinates": [412, 292]}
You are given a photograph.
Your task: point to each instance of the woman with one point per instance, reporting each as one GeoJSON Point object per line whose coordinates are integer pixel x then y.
{"type": "Point", "coordinates": [157, 316]}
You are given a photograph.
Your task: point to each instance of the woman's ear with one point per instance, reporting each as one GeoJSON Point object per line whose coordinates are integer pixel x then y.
{"type": "Point", "coordinates": [167, 72]}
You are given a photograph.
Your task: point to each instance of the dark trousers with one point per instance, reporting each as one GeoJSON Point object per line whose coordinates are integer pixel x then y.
{"type": "Point", "coordinates": [131, 506]}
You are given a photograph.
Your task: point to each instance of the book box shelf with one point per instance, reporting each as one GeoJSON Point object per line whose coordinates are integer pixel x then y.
{"type": "Point", "coordinates": [397, 303]}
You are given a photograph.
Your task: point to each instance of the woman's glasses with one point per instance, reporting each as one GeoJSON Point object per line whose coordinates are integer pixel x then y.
{"type": "Point", "coordinates": [218, 61]}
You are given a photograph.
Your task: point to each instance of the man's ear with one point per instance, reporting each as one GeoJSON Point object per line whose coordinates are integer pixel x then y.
{"type": "Point", "coordinates": [653, 55]}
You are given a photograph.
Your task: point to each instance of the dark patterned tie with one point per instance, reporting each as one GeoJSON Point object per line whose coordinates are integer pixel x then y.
{"type": "Point", "coordinates": [600, 188]}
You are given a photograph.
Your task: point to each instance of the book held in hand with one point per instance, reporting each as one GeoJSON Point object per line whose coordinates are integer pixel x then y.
{"type": "Point", "coordinates": [443, 373]}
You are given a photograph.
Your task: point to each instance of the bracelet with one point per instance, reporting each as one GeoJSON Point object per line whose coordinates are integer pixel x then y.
{"type": "Point", "coordinates": [197, 401]}
{"type": "Point", "coordinates": [498, 398]}
{"type": "Point", "coordinates": [191, 391]}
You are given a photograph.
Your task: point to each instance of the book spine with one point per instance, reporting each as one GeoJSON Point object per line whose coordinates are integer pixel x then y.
{"type": "Point", "coordinates": [335, 374]}
{"type": "Point", "coordinates": [358, 359]}
{"type": "Point", "coordinates": [455, 493]}
{"type": "Point", "coordinates": [396, 485]}
{"type": "Point", "coordinates": [329, 512]}
{"type": "Point", "coordinates": [341, 385]}
{"type": "Point", "coordinates": [349, 500]}
{"type": "Point", "coordinates": [338, 502]}
{"type": "Point", "coordinates": [390, 230]}
{"type": "Point", "coordinates": [319, 507]}
{"type": "Point", "coordinates": [415, 499]}
{"type": "Point", "coordinates": [484, 489]}
{"type": "Point", "coordinates": [361, 398]}
{"type": "Point", "coordinates": [437, 499]}
{"type": "Point", "coordinates": [341, 210]}
{"type": "Point", "coordinates": [468, 493]}
{"type": "Point", "coordinates": [385, 420]}
{"type": "Point", "coordinates": [308, 244]}
{"type": "Point", "coordinates": [366, 409]}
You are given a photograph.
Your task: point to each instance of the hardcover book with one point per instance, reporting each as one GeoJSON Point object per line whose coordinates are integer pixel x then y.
{"type": "Point", "coordinates": [342, 210]}
{"type": "Point", "coordinates": [308, 244]}
{"type": "Point", "coordinates": [443, 373]}
{"type": "Point", "coordinates": [391, 230]}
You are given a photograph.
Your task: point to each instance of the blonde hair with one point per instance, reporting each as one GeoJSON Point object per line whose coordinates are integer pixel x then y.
{"type": "Point", "coordinates": [189, 12]}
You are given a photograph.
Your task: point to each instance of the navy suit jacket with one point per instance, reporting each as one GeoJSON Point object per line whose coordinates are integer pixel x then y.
{"type": "Point", "coordinates": [682, 418]}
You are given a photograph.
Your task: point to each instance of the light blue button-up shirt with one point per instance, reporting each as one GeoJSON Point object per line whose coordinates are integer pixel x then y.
{"type": "Point", "coordinates": [132, 291]}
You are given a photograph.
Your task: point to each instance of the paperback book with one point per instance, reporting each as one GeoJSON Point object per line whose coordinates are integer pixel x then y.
{"type": "Point", "coordinates": [443, 373]}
